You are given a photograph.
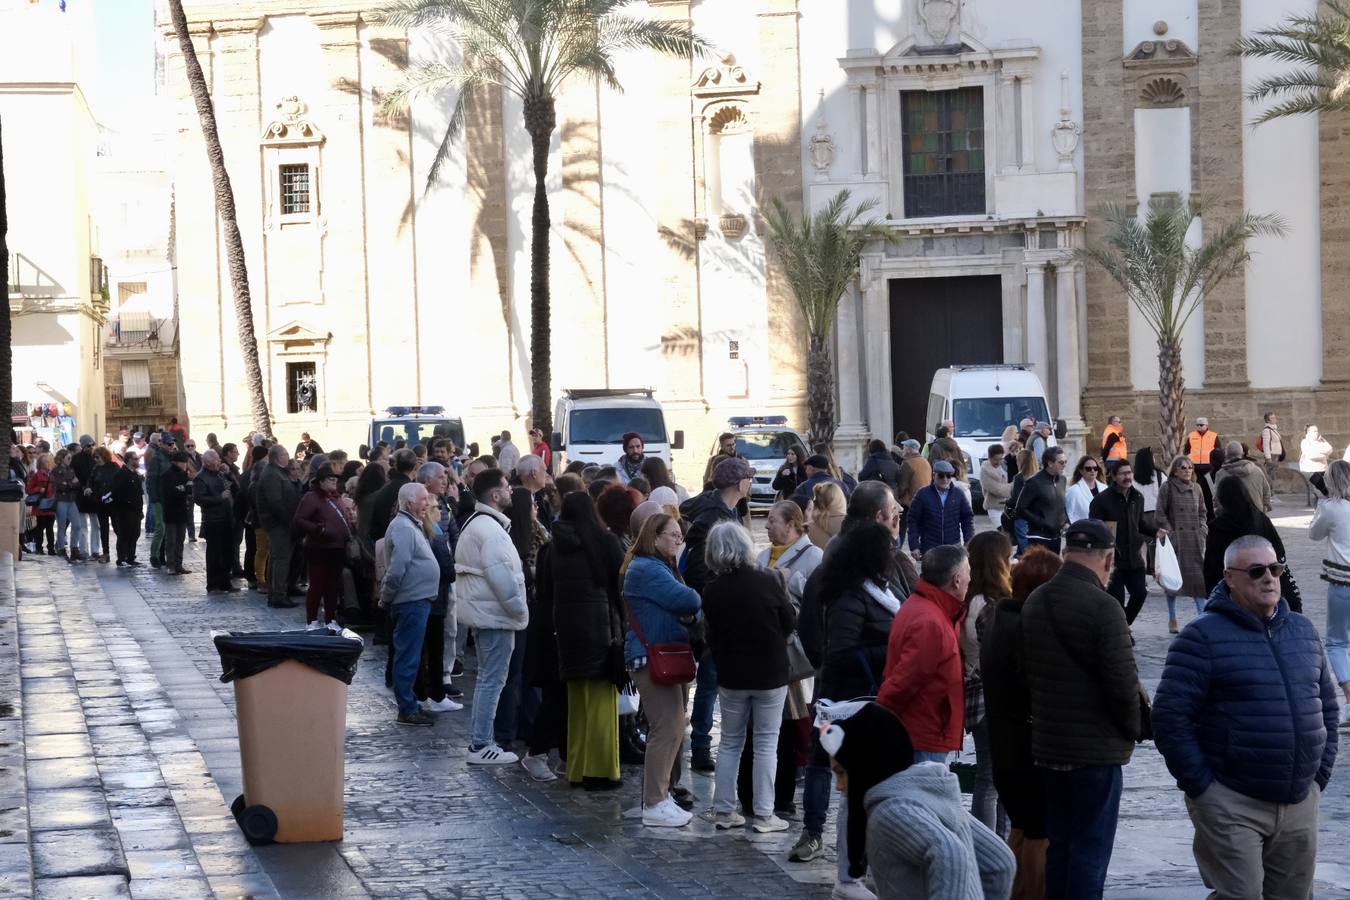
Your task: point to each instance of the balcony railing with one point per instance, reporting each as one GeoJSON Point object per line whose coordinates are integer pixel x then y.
{"type": "Point", "coordinates": [161, 397]}
{"type": "Point", "coordinates": [137, 333]}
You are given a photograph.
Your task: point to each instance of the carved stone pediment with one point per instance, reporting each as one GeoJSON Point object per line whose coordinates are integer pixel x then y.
{"type": "Point", "coordinates": [297, 333]}
{"type": "Point", "coordinates": [726, 78]}
{"type": "Point", "coordinates": [1164, 53]}
{"type": "Point", "coordinates": [291, 126]}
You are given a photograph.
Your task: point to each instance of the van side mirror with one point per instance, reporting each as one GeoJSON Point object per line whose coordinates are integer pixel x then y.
{"type": "Point", "coordinates": [556, 444]}
{"type": "Point", "coordinates": [1061, 429]}
{"type": "Point", "coordinates": [678, 442]}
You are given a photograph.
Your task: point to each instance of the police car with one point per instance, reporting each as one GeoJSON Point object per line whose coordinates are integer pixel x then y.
{"type": "Point", "coordinates": [416, 425]}
{"type": "Point", "coordinates": [763, 441]}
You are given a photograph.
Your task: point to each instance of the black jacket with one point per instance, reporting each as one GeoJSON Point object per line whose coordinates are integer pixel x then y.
{"type": "Point", "coordinates": [386, 502]}
{"type": "Point", "coordinates": [1132, 531]}
{"type": "Point", "coordinates": [880, 467]}
{"type": "Point", "coordinates": [1227, 528]}
{"type": "Point", "coordinates": [126, 490]}
{"type": "Point", "coordinates": [787, 479]}
{"type": "Point", "coordinates": [857, 629]}
{"type": "Point", "coordinates": [84, 464]}
{"type": "Point", "coordinates": [749, 619]}
{"type": "Point", "coordinates": [587, 620]}
{"type": "Point", "coordinates": [1041, 505]}
{"type": "Point", "coordinates": [175, 495]}
{"type": "Point", "coordinates": [702, 512]}
{"type": "Point", "coordinates": [541, 646]}
{"type": "Point", "coordinates": [1084, 703]}
{"type": "Point", "coordinates": [208, 489]}
{"type": "Point", "coordinates": [275, 497]}
{"type": "Point", "coordinates": [103, 480]}
{"type": "Point", "coordinates": [1007, 702]}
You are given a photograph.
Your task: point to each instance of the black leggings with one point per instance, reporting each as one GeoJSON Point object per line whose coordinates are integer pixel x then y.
{"type": "Point", "coordinates": [549, 730]}
{"type": "Point", "coordinates": [45, 525]}
{"type": "Point", "coordinates": [430, 683]}
{"type": "Point", "coordinates": [103, 522]}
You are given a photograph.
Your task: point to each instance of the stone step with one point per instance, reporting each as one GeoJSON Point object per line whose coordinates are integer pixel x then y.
{"type": "Point", "coordinates": [120, 801]}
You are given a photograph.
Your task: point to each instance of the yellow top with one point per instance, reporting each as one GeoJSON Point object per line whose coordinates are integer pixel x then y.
{"type": "Point", "coordinates": [775, 552]}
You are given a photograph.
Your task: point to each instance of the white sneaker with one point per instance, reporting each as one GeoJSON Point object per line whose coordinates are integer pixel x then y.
{"type": "Point", "coordinates": [538, 768]}
{"type": "Point", "coordinates": [725, 820]}
{"type": "Point", "coordinates": [768, 824]}
{"type": "Point", "coordinates": [665, 815]}
{"type": "Point", "coordinates": [444, 705]}
{"type": "Point", "coordinates": [851, 890]}
{"type": "Point", "coordinates": [491, 755]}
{"type": "Point", "coordinates": [1345, 713]}
{"type": "Point", "coordinates": [316, 625]}
{"type": "Point", "coordinates": [335, 628]}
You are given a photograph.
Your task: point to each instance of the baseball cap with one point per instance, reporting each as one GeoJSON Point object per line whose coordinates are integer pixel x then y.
{"type": "Point", "coordinates": [138, 435]}
{"type": "Point", "coordinates": [86, 441]}
{"type": "Point", "coordinates": [912, 444]}
{"type": "Point", "coordinates": [732, 470]}
{"type": "Point", "coordinates": [942, 467]}
{"type": "Point", "coordinates": [1089, 534]}
{"type": "Point", "coordinates": [1201, 420]}
{"type": "Point", "coordinates": [817, 462]}
{"type": "Point", "coordinates": [167, 438]}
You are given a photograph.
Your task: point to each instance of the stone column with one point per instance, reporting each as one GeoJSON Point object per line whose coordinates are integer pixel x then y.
{"type": "Point", "coordinates": [1038, 353]}
{"type": "Point", "coordinates": [856, 118]}
{"type": "Point", "coordinates": [1217, 131]}
{"type": "Point", "coordinates": [1068, 385]}
{"type": "Point", "coordinates": [850, 439]}
{"type": "Point", "coordinates": [876, 315]}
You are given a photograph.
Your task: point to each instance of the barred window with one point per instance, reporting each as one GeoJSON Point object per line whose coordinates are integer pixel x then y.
{"type": "Point", "coordinates": [295, 198]}
{"type": "Point", "coordinates": [943, 152]}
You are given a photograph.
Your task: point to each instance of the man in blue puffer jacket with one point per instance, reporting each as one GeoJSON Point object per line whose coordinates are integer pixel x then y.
{"type": "Point", "coordinates": [1246, 718]}
{"type": "Point", "coordinates": [940, 513]}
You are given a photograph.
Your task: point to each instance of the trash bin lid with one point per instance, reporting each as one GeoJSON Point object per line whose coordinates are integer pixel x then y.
{"type": "Point", "coordinates": [245, 655]}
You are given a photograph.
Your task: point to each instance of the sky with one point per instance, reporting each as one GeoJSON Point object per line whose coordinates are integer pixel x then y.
{"type": "Point", "coordinates": [125, 58]}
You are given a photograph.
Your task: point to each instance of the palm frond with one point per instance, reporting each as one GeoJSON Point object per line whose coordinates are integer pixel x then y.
{"type": "Point", "coordinates": [1319, 45]}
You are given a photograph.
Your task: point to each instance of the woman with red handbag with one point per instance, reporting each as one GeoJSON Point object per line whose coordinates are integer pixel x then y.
{"type": "Point", "coordinates": [660, 607]}
{"type": "Point", "coordinates": [41, 500]}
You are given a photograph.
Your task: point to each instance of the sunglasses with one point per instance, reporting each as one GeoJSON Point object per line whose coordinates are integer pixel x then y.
{"type": "Point", "coordinates": [1091, 469]}
{"type": "Point", "coordinates": [1255, 572]}
{"type": "Point", "coordinates": [943, 475]}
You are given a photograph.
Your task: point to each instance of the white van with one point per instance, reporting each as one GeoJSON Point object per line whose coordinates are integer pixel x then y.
{"type": "Point", "coordinates": [983, 401]}
{"type": "Point", "coordinates": [589, 425]}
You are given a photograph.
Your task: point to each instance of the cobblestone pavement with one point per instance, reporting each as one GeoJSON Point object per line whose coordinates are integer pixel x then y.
{"type": "Point", "coordinates": [121, 663]}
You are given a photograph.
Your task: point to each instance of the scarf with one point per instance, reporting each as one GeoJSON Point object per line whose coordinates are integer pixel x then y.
{"type": "Point", "coordinates": [630, 469]}
{"type": "Point", "coordinates": [884, 597]}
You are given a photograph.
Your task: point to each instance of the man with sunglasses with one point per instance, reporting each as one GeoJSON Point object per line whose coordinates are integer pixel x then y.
{"type": "Point", "coordinates": [941, 513]}
{"type": "Point", "coordinates": [1245, 716]}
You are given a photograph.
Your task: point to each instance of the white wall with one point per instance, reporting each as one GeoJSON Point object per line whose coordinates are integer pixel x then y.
{"type": "Point", "coordinates": [1180, 15]}
{"type": "Point", "coordinates": [1281, 176]}
{"type": "Point", "coordinates": [1162, 164]}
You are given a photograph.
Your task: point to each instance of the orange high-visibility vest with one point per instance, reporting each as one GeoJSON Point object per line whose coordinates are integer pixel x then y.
{"type": "Point", "coordinates": [1118, 450]}
{"type": "Point", "coordinates": [1202, 446]}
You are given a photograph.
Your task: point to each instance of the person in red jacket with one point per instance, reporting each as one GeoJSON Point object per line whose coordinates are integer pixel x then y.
{"type": "Point", "coordinates": [923, 680]}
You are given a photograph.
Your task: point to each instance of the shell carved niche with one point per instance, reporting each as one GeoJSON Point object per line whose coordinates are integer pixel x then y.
{"type": "Point", "coordinates": [1162, 92]}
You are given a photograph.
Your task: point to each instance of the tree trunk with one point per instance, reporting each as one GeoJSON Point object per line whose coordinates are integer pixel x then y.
{"type": "Point", "coordinates": [1171, 401]}
{"type": "Point", "coordinates": [820, 389]}
{"type": "Point", "coordinates": [6, 352]}
{"type": "Point", "coordinates": [540, 120]}
{"type": "Point", "coordinates": [234, 244]}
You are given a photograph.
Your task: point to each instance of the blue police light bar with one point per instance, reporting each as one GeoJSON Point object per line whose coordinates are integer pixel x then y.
{"type": "Point", "coordinates": [742, 421]}
{"type": "Point", "coordinates": [416, 410]}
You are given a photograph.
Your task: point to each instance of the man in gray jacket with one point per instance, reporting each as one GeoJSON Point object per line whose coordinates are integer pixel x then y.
{"type": "Point", "coordinates": [411, 580]}
{"type": "Point", "coordinates": [276, 500]}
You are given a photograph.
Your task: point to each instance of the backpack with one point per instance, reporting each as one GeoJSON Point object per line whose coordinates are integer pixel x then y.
{"type": "Point", "coordinates": [1260, 440]}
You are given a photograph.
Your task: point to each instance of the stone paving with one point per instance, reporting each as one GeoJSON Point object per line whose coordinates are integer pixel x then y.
{"type": "Point", "coordinates": [132, 761]}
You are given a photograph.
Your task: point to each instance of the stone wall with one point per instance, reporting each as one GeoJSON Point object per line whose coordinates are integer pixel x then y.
{"type": "Point", "coordinates": [164, 374]}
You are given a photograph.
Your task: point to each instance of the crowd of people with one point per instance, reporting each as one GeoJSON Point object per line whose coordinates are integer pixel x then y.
{"type": "Point", "coordinates": [611, 613]}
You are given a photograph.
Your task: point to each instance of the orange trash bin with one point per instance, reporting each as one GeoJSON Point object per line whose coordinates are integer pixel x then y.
{"type": "Point", "coordinates": [290, 692]}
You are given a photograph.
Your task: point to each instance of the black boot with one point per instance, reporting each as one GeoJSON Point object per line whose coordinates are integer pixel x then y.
{"type": "Point", "coordinates": [701, 760]}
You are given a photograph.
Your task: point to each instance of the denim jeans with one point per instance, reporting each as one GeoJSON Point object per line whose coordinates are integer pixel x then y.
{"type": "Point", "coordinates": [816, 798]}
{"type": "Point", "coordinates": [940, 756]}
{"type": "Point", "coordinates": [494, 660]}
{"type": "Point", "coordinates": [90, 543]}
{"type": "Point", "coordinates": [410, 625]}
{"type": "Point", "coordinates": [509, 723]}
{"type": "Point", "coordinates": [705, 701]}
{"type": "Point", "coordinates": [1338, 630]}
{"type": "Point", "coordinates": [1020, 527]}
{"type": "Point", "coordinates": [1172, 606]}
{"type": "Point", "coordinates": [984, 802]}
{"type": "Point", "coordinates": [1082, 806]}
{"type": "Point", "coordinates": [765, 710]}
{"type": "Point", "coordinates": [68, 515]}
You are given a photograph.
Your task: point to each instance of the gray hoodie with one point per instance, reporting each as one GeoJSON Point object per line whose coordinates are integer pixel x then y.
{"type": "Point", "coordinates": [413, 573]}
{"type": "Point", "coordinates": [921, 842]}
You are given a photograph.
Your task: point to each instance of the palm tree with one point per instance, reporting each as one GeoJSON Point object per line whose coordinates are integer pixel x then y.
{"type": "Point", "coordinates": [6, 351]}
{"type": "Point", "coordinates": [530, 47]}
{"type": "Point", "coordinates": [1320, 46]}
{"type": "Point", "coordinates": [820, 256]}
{"type": "Point", "coordinates": [234, 244]}
{"type": "Point", "coordinates": [1166, 279]}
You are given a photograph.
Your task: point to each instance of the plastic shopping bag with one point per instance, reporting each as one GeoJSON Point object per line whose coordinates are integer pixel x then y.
{"type": "Point", "coordinates": [1167, 569]}
{"type": "Point", "coordinates": [629, 700]}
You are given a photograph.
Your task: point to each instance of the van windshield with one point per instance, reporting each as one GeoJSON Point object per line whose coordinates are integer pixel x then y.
{"type": "Point", "coordinates": [765, 444]}
{"type": "Point", "coordinates": [988, 417]}
{"type": "Point", "coordinates": [415, 431]}
{"type": "Point", "coordinates": [608, 426]}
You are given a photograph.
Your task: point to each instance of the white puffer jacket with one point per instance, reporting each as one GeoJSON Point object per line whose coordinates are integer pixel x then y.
{"type": "Point", "coordinates": [489, 579]}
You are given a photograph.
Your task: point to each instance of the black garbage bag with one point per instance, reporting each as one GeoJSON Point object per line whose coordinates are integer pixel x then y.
{"type": "Point", "coordinates": [245, 655]}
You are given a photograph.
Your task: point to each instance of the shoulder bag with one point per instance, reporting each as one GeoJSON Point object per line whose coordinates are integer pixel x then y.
{"type": "Point", "coordinates": [1145, 707]}
{"type": "Point", "coordinates": [670, 663]}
